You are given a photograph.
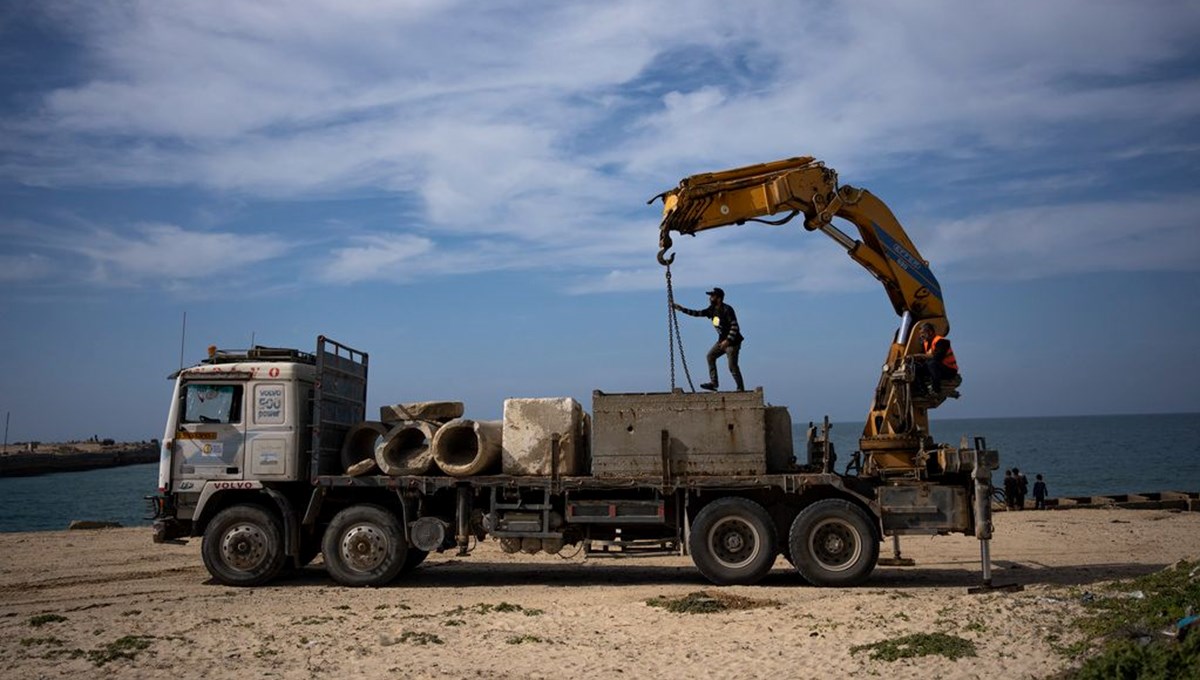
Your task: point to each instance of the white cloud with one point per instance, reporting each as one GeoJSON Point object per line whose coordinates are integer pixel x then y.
{"type": "Point", "coordinates": [526, 136]}
{"type": "Point", "coordinates": [1051, 241]}
{"type": "Point", "coordinates": [168, 253]}
{"type": "Point", "coordinates": [377, 257]}
{"type": "Point", "coordinates": [23, 268]}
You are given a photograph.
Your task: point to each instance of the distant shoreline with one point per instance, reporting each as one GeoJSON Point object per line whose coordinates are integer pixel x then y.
{"type": "Point", "coordinates": [75, 457]}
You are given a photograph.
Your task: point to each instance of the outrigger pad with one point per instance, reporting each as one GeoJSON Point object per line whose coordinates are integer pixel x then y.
{"type": "Point", "coordinates": [989, 588]}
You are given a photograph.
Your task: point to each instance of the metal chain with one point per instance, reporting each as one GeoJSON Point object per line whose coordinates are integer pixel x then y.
{"type": "Point", "coordinates": [674, 336]}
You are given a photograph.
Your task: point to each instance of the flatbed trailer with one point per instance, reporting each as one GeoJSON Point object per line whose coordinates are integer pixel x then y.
{"type": "Point", "coordinates": [263, 483]}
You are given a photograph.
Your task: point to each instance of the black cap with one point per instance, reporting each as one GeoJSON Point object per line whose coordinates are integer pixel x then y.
{"type": "Point", "coordinates": [718, 292]}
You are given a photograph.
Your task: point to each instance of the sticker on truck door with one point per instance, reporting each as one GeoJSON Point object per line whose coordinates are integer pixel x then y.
{"type": "Point", "coordinates": [269, 404]}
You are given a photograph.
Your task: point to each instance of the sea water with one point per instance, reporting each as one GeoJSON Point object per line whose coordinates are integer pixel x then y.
{"type": "Point", "coordinates": [1078, 456]}
{"type": "Point", "coordinates": [52, 501]}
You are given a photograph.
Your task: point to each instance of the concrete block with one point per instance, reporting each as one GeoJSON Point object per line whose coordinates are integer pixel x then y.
{"type": "Point", "coordinates": [362, 467]}
{"type": "Point", "coordinates": [781, 450]}
{"type": "Point", "coordinates": [529, 426]}
{"type": "Point", "coordinates": [437, 411]}
{"type": "Point", "coordinates": [708, 434]}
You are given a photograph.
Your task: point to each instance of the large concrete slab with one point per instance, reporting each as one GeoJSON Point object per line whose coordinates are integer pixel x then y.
{"type": "Point", "coordinates": [712, 433]}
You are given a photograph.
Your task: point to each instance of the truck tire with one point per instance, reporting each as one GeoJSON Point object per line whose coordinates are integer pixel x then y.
{"type": "Point", "coordinates": [833, 543]}
{"type": "Point", "coordinates": [733, 542]}
{"type": "Point", "coordinates": [364, 546]}
{"type": "Point", "coordinates": [243, 546]}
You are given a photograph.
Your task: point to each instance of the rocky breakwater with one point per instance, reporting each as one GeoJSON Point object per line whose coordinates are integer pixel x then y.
{"type": "Point", "coordinates": [73, 457]}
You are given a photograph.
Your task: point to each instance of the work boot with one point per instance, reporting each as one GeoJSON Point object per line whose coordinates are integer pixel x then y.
{"type": "Point", "coordinates": [712, 386]}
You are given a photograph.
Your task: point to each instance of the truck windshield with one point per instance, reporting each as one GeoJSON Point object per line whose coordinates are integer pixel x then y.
{"type": "Point", "coordinates": [213, 404]}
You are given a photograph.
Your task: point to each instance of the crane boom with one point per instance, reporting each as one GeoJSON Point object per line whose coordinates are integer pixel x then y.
{"type": "Point", "coordinates": [897, 428]}
{"type": "Point", "coordinates": [805, 186]}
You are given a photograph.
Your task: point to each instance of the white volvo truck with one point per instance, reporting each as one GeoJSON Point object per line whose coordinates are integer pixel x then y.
{"type": "Point", "coordinates": [253, 456]}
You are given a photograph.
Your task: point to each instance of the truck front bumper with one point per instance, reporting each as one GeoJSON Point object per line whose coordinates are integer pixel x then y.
{"type": "Point", "coordinates": [167, 528]}
{"type": "Point", "coordinates": [171, 530]}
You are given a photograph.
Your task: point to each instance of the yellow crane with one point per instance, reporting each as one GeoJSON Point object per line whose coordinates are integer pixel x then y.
{"type": "Point", "coordinates": [895, 439]}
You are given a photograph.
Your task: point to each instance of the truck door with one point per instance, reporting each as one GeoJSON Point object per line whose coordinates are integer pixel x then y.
{"type": "Point", "coordinates": [212, 431]}
{"type": "Point", "coordinates": [272, 433]}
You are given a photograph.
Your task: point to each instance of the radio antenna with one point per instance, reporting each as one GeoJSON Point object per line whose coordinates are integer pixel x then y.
{"type": "Point", "coordinates": [182, 339]}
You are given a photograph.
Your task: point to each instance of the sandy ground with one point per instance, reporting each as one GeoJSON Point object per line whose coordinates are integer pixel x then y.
{"type": "Point", "coordinates": [574, 617]}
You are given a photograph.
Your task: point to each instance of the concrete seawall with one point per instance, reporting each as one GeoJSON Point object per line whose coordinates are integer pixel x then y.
{"type": "Point", "coordinates": [70, 458]}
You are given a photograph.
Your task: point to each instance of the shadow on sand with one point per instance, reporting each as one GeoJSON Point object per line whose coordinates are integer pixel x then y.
{"type": "Point", "coordinates": [465, 573]}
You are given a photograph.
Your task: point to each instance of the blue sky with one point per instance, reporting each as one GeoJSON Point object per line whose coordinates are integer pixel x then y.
{"type": "Point", "coordinates": [460, 190]}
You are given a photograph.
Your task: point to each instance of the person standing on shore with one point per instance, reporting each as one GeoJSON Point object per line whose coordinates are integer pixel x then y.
{"type": "Point", "coordinates": [1022, 487]}
{"type": "Point", "coordinates": [729, 337]}
{"type": "Point", "coordinates": [1010, 490]}
{"type": "Point", "coordinates": [1039, 494]}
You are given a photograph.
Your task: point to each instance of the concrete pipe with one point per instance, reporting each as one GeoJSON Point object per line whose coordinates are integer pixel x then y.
{"type": "Point", "coordinates": [465, 447]}
{"type": "Point", "coordinates": [405, 449]}
{"type": "Point", "coordinates": [359, 443]}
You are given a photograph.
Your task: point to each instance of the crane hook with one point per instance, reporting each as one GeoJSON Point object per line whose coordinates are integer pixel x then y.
{"type": "Point", "coordinates": [664, 242]}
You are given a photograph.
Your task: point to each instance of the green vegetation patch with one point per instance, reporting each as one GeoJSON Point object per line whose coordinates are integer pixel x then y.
{"type": "Point", "coordinates": [1127, 622]}
{"type": "Point", "coordinates": [502, 608]}
{"type": "Point", "coordinates": [419, 638]}
{"type": "Point", "coordinates": [1133, 659]}
{"type": "Point", "coordinates": [705, 602]}
{"type": "Point", "coordinates": [311, 620]}
{"type": "Point", "coordinates": [522, 639]}
{"type": "Point", "coordinates": [41, 642]}
{"type": "Point", "coordinates": [42, 619]}
{"type": "Point", "coordinates": [122, 648]}
{"type": "Point", "coordinates": [918, 644]}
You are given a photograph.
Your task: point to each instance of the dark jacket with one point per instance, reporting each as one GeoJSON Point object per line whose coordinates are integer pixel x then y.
{"type": "Point", "coordinates": [724, 320]}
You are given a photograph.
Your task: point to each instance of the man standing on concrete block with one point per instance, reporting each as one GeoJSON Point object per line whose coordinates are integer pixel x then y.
{"type": "Point", "coordinates": [729, 337]}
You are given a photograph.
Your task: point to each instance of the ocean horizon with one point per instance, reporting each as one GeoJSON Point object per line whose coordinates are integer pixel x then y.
{"type": "Point", "coordinates": [1077, 456]}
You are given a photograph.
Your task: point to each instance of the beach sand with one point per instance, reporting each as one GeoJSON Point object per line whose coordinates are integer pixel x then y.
{"type": "Point", "coordinates": [116, 592]}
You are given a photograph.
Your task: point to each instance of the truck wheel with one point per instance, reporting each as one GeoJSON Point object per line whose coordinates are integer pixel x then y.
{"type": "Point", "coordinates": [243, 546]}
{"type": "Point", "coordinates": [364, 546]}
{"type": "Point", "coordinates": [413, 560]}
{"type": "Point", "coordinates": [733, 542]}
{"type": "Point", "coordinates": [832, 543]}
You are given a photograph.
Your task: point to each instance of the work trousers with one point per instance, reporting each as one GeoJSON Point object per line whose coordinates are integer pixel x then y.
{"type": "Point", "coordinates": [934, 372]}
{"type": "Point", "coordinates": [731, 352]}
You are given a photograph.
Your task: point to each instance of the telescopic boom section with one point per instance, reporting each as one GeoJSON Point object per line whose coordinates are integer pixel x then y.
{"type": "Point", "coordinates": [804, 186]}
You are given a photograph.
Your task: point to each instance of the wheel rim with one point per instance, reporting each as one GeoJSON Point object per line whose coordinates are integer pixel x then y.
{"type": "Point", "coordinates": [835, 545]}
{"type": "Point", "coordinates": [734, 542]}
{"type": "Point", "coordinates": [244, 547]}
{"type": "Point", "coordinates": [364, 547]}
